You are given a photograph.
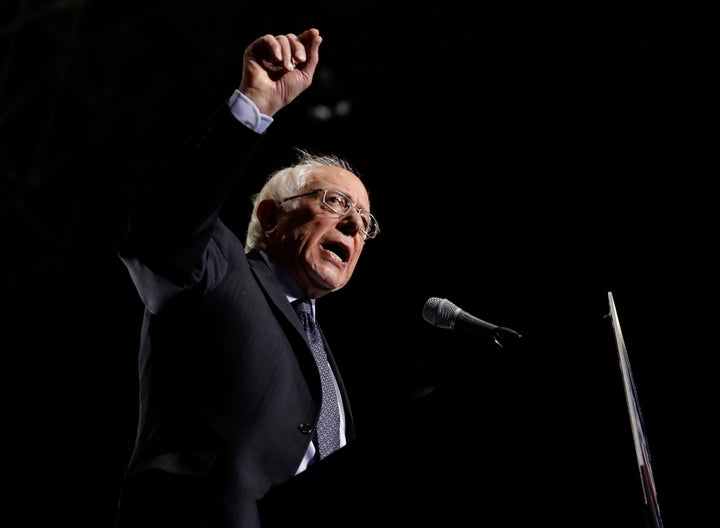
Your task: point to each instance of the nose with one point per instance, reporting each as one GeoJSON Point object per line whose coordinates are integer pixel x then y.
{"type": "Point", "coordinates": [351, 223]}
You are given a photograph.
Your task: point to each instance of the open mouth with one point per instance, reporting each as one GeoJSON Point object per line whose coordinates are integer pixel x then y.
{"type": "Point", "coordinates": [339, 250]}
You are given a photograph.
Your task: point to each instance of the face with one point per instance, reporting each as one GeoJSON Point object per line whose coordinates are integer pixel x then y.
{"type": "Point", "coordinates": [318, 247]}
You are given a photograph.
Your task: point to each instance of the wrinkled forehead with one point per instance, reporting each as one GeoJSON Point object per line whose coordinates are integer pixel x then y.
{"type": "Point", "coordinates": [342, 180]}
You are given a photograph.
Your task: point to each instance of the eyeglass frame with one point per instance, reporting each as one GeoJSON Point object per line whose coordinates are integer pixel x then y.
{"type": "Point", "coordinates": [350, 206]}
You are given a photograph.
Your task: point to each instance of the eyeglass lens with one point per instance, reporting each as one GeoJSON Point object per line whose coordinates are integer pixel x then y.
{"type": "Point", "coordinates": [342, 204]}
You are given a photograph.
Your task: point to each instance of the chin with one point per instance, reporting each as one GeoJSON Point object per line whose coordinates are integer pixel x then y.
{"type": "Point", "coordinates": [332, 281]}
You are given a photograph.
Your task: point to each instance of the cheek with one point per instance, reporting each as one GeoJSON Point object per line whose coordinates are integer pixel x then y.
{"type": "Point", "coordinates": [296, 234]}
{"type": "Point", "coordinates": [356, 254]}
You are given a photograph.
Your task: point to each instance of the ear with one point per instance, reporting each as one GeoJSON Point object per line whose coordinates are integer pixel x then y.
{"type": "Point", "coordinates": [267, 214]}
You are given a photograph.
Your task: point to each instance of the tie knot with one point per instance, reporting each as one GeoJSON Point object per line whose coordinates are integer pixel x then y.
{"type": "Point", "coordinates": [302, 308]}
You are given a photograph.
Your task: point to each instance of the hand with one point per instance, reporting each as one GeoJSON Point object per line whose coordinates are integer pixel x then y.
{"type": "Point", "coordinates": [276, 69]}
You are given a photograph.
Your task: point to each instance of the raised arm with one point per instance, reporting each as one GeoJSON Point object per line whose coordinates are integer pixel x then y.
{"type": "Point", "coordinates": [166, 247]}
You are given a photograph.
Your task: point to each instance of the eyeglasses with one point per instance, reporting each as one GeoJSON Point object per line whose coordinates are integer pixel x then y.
{"type": "Point", "coordinates": [340, 203]}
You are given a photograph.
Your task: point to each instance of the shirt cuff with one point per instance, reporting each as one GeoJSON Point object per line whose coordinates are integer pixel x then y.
{"type": "Point", "coordinates": [247, 113]}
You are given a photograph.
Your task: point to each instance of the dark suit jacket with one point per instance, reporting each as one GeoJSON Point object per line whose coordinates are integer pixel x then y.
{"type": "Point", "coordinates": [229, 391]}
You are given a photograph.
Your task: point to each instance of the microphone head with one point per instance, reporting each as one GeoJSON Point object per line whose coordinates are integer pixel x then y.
{"type": "Point", "coordinates": [440, 312]}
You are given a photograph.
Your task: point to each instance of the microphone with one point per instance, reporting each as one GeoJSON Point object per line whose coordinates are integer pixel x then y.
{"type": "Point", "coordinates": [444, 314]}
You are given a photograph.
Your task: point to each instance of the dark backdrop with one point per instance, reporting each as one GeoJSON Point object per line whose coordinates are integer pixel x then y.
{"type": "Point", "coordinates": [523, 161]}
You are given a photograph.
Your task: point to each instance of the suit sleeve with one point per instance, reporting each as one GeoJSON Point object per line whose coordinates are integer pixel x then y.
{"type": "Point", "coordinates": [167, 247]}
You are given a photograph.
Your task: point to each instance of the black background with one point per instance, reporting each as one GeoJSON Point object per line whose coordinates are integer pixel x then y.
{"type": "Point", "coordinates": [523, 161]}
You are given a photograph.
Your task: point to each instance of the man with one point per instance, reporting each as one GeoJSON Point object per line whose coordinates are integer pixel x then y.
{"type": "Point", "coordinates": [230, 393]}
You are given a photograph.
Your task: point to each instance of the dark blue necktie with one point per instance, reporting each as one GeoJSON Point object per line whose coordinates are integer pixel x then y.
{"type": "Point", "coordinates": [328, 428]}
